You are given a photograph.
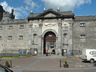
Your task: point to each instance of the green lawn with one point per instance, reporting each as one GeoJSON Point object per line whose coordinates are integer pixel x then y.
{"type": "Point", "coordinates": [14, 56]}
{"type": "Point", "coordinates": [9, 57]}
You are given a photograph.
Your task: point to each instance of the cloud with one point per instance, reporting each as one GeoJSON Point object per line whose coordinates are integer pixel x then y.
{"type": "Point", "coordinates": [30, 4]}
{"type": "Point", "coordinates": [65, 5]}
{"type": "Point", "coordinates": [8, 8]}
{"type": "Point", "coordinates": [22, 10]}
{"type": "Point", "coordinates": [5, 6]}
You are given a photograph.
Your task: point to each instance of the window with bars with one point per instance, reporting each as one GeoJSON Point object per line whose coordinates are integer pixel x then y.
{"type": "Point", "coordinates": [83, 36]}
{"type": "Point", "coordinates": [82, 24]}
{"type": "Point", "coordinates": [0, 37]}
{"type": "Point", "coordinates": [21, 27]}
{"type": "Point", "coordinates": [20, 37]}
{"type": "Point", "coordinates": [1, 27]}
{"type": "Point", "coordinates": [10, 37]}
{"type": "Point", "coordinates": [10, 27]}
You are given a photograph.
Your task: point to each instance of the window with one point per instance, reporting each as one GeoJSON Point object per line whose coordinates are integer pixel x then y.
{"type": "Point", "coordinates": [21, 26]}
{"type": "Point", "coordinates": [51, 43]}
{"type": "Point", "coordinates": [10, 37]}
{"type": "Point", "coordinates": [0, 37]}
{"type": "Point", "coordinates": [10, 27]}
{"type": "Point", "coordinates": [35, 35]}
{"type": "Point", "coordinates": [1, 27]}
{"type": "Point", "coordinates": [82, 36]}
{"type": "Point", "coordinates": [82, 25]}
{"type": "Point", "coordinates": [65, 34]}
{"type": "Point", "coordinates": [35, 38]}
{"type": "Point", "coordinates": [20, 37]}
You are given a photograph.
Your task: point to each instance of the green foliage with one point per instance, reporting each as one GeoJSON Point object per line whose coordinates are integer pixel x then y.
{"type": "Point", "coordinates": [65, 62]}
{"type": "Point", "coordinates": [1, 57]}
{"type": "Point", "coordinates": [14, 56]}
{"type": "Point", "coordinates": [7, 63]}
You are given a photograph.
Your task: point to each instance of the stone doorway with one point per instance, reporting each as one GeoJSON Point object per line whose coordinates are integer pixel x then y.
{"type": "Point", "coordinates": [49, 42]}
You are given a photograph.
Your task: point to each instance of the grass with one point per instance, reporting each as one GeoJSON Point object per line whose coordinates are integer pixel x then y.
{"type": "Point", "coordinates": [15, 56]}
{"type": "Point", "coordinates": [9, 57]}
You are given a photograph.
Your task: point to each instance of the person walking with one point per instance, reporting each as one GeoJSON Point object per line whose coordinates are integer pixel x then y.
{"type": "Point", "coordinates": [49, 51]}
{"type": "Point", "coordinates": [46, 52]}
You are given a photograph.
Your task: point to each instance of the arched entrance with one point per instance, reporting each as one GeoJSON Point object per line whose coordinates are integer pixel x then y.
{"type": "Point", "coordinates": [49, 42]}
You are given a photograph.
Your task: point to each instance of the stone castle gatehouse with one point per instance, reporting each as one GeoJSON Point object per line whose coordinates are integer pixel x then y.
{"type": "Point", "coordinates": [59, 32]}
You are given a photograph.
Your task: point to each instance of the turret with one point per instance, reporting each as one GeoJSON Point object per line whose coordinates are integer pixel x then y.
{"type": "Point", "coordinates": [1, 12]}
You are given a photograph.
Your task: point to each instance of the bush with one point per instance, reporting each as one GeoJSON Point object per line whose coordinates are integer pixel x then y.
{"type": "Point", "coordinates": [7, 64]}
{"type": "Point", "coordinates": [65, 62]}
{"type": "Point", "coordinates": [66, 65]}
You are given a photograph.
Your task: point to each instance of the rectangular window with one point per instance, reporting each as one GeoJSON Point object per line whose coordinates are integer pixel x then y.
{"type": "Point", "coordinates": [82, 36]}
{"type": "Point", "coordinates": [10, 27]}
{"type": "Point", "coordinates": [0, 37]}
{"type": "Point", "coordinates": [82, 25]}
{"type": "Point", "coordinates": [10, 37]}
{"type": "Point", "coordinates": [1, 27]}
{"type": "Point", "coordinates": [20, 37]}
{"type": "Point", "coordinates": [21, 26]}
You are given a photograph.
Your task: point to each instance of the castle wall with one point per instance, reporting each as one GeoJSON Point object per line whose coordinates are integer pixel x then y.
{"type": "Point", "coordinates": [88, 40]}
{"type": "Point", "coordinates": [73, 33]}
{"type": "Point", "coordinates": [14, 36]}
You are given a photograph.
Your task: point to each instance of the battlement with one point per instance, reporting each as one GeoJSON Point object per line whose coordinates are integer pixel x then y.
{"type": "Point", "coordinates": [14, 21]}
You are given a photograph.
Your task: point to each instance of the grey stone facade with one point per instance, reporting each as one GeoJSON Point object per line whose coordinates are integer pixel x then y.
{"type": "Point", "coordinates": [71, 33]}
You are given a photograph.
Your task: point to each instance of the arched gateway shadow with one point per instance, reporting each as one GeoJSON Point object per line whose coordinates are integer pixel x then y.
{"type": "Point", "coordinates": [49, 41]}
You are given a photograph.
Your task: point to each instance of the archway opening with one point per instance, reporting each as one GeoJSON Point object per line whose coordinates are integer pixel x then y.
{"type": "Point", "coordinates": [49, 42]}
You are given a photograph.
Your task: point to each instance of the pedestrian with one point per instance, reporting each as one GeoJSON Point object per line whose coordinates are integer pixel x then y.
{"type": "Point", "coordinates": [49, 51]}
{"type": "Point", "coordinates": [35, 52]}
{"type": "Point", "coordinates": [46, 52]}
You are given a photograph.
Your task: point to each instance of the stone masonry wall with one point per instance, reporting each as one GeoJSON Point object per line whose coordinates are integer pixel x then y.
{"type": "Point", "coordinates": [89, 30]}
{"type": "Point", "coordinates": [14, 30]}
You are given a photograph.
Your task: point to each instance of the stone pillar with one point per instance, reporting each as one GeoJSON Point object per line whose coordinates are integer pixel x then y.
{"type": "Point", "coordinates": [59, 36]}
{"type": "Point", "coordinates": [42, 46]}
{"type": "Point", "coordinates": [40, 37]}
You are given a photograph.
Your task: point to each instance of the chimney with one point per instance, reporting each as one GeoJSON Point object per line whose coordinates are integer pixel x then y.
{"type": "Point", "coordinates": [31, 12]}
{"type": "Point", "coordinates": [12, 10]}
{"type": "Point", "coordinates": [58, 9]}
{"type": "Point", "coordinates": [44, 9]}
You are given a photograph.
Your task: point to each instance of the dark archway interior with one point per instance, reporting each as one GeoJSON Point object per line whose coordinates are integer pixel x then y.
{"type": "Point", "coordinates": [49, 41]}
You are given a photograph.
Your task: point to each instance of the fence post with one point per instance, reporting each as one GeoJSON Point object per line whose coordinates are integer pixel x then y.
{"type": "Point", "coordinates": [60, 63]}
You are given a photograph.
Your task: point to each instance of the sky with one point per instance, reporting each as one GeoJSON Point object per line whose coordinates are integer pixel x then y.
{"type": "Point", "coordinates": [22, 8]}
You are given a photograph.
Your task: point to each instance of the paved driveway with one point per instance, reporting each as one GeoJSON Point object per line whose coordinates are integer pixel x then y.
{"type": "Point", "coordinates": [47, 64]}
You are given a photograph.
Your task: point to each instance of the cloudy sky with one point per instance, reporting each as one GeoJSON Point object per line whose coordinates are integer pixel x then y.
{"type": "Point", "coordinates": [23, 7]}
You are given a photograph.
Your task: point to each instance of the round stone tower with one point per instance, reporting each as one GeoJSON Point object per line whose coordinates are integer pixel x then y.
{"type": "Point", "coordinates": [1, 12]}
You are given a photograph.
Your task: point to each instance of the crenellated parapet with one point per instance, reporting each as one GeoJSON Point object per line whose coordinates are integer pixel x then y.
{"type": "Point", "coordinates": [15, 21]}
